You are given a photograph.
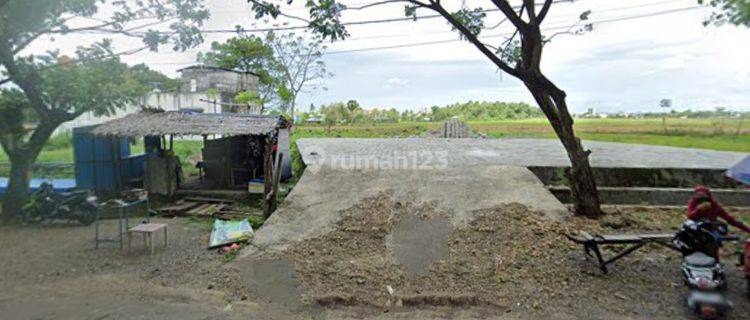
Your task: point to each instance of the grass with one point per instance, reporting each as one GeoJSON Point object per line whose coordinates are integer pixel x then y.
{"type": "Point", "coordinates": [713, 134]}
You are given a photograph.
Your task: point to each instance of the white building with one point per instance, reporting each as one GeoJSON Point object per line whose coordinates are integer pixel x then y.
{"type": "Point", "coordinates": [205, 88]}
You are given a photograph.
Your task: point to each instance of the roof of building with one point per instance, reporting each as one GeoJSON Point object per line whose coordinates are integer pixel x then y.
{"type": "Point", "coordinates": [159, 123]}
{"type": "Point", "coordinates": [208, 67]}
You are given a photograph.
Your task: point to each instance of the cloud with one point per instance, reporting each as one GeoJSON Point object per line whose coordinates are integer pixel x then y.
{"type": "Point", "coordinates": [395, 83]}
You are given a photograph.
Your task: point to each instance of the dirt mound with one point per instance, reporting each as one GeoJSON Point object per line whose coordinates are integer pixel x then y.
{"type": "Point", "coordinates": [314, 206]}
{"type": "Point", "coordinates": [502, 256]}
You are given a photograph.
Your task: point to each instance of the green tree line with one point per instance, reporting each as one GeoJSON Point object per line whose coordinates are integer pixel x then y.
{"type": "Point", "coordinates": [352, 113]}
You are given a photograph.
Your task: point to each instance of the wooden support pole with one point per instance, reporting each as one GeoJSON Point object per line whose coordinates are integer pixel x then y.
{"type": "Point", "coordinates": [276, 181]}
{"type": "Point", "coordinates": [268, 149]}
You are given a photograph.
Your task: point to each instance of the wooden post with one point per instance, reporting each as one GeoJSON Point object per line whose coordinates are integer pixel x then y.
{"type": "Point", "coordinates": [268, 149]}
{"type": "Point", "coordinates": [276, 181]}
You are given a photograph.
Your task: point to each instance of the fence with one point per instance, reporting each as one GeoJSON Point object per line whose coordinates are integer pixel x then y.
{"type": "Point", "coordinates": [44, 170]}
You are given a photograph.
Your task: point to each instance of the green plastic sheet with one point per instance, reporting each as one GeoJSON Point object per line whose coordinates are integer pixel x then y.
{"type": "Point", "coordinates": [226, 232]}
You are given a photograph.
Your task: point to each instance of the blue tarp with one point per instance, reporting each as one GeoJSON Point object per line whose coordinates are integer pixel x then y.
{"type": "Point", "coordinates": [740, 171]}
{"type": "Point", "coordinates": [59, 185]}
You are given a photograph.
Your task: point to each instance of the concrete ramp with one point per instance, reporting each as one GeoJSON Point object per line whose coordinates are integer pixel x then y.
{"type": "Point", "coordinates": [314, 205]}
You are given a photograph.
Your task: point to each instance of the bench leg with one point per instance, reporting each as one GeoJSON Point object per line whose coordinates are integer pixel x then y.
{"type": "Point", "coordinates": [151, 242]}
{"type": "Point", "coordinates": [130, 239]}
{"type": "Point", "coordinates": [165, 237]}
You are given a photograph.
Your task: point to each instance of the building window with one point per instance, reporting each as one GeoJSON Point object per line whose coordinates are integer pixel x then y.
{"type": "Point", "coordinates": [193, 85]}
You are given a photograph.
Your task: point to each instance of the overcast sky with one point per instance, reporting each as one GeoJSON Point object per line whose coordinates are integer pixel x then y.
{"type": "Point", "coordinates": [628, 63]}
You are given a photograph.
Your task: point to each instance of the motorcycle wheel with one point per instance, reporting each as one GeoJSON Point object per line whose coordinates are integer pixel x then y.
{"type": "Point", "coordinates": [86, 216]}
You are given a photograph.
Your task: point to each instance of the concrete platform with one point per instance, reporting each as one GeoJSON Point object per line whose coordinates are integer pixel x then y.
{"type": "Point", "coordinates": [349, 153]}
{"type": "Point", "coordinates": [657, 196]}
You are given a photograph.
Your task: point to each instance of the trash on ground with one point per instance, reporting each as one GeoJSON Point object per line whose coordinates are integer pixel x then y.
{"type": "Point", "coordinates": [226, 232]}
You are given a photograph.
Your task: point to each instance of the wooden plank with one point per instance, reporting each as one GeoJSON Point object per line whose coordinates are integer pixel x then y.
{"type": "Point", "coordinates": [197, 210]}
{"type": "Point", "coordinates": [621, 238]}
{"type": "Point", "coordinates": [208, 199]}
{"type": "Point", "coordinates": [658, 236]}
{"type": "Point", "coordinates": [148, 227]}
{"type": "Point", "coordinates": [180, 207]}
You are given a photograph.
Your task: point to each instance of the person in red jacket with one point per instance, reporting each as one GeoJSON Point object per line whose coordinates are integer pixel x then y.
{"type": "Point", "coordinates": [702, 206]}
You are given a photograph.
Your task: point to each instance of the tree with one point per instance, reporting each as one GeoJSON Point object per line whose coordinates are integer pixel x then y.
{"type": "Point", "coordinates": [519, 55]}
{"type": "Point", "coordinates": [301, 65]}
{"type": "Point", "coordinates": [154, 79]}
{"type": "Point", "coordinates": [736, 12]}
{"type": "Point", "coordinates": [665, 104]}
{"type": "Point", "coordinates": [352, 105]}
{"type": "Point", "coordinates": [250, 54]}
{"type": "Point", "coordinates": [49, 89]}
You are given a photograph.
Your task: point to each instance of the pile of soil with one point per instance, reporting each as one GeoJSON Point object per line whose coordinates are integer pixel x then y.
{"type": "Point", "coordinates": [508, 259]}
{"type": "Point", "coordinates": [503, 255]}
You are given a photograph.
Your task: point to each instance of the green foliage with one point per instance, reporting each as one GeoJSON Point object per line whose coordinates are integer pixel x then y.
{"type": "Point", "coordinates": [471, 19]}
{"type": "Point", "coordinates": [352, 105]}
{"type": "Point", "coordinates": [246, 97]}
{"type": "Point", "coordinates": [284, 63]}
{"type": "Point", "coordinates": [102, 85]}
{"type": "Point", "coordinates": [481, 110]}
{"type": "Point", "coordinates": [154, 79]}
{"type": "Point", "coordinates": [250, 54]}
{"type": "Point", "coordinates": [736, 12]}
{"type": "Point", "coordinates": [352, 112]}
{"type": "Point", "coordinates": [14, 111]}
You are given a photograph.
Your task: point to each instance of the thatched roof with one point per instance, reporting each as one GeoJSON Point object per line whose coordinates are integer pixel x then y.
{"type": "Point", "coordinates": [151, 123]}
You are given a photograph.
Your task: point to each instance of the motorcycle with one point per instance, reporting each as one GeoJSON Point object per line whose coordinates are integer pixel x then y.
{"type": "Point", "coordinates": [700, 243]}
{"type": "Point", "coordinates": [47, 204]}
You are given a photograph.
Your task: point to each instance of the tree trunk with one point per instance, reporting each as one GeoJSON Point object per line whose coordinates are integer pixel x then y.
{"type": "Point", "coordinates": [22, 156]}
{"type": "Point", "coordinates": [17, 193]}
{"type": "Point", "coordinates": [293, 105]}
{"type": "Point", "coordinates": [580, 176]}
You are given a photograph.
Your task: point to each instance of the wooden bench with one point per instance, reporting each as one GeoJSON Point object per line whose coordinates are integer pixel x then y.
{"type": "Point", "coordinates": [148, 230]}
{"type": "Point", "coordinates": [592, 243]}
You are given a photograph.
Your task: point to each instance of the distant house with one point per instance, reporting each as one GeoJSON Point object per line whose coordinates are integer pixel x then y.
{"type": "Point", "coordinates": [207, 88]}
{"type": "Point", "coordinates": [314, 120]}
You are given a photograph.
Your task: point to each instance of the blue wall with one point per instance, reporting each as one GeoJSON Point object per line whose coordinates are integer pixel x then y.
{"type": "Point", "coordinates": [95, 165]}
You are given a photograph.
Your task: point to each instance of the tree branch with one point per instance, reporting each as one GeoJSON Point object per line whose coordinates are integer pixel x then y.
{"type": "Point", "coordinates": [543, 12]}
{"type": "Point", "coordinates": [508, 11]}
{"type": "Point", "coordinates": [475, 41]}
{"type": "Point", "coordinates": [530, 10]}
{"type": "Point", "coordinates": [33, 93]}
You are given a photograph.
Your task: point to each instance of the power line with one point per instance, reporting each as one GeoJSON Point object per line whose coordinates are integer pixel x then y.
{"type": "Point", "coordinates": [351, 23]}
{"type": "Point", "coordinates": [426, 43]}
{"type": "Point", "coordinates": [508, 34]}
{"type": "Point", "coordinates": [565, 18]}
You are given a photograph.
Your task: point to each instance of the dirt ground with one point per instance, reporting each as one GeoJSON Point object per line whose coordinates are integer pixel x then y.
{"type": "Point", "coordinates": [526, 271]}
{"type": "Point", "coordinates": [508, 261]}
{"type": "Point", "coordinates": [54, 272]}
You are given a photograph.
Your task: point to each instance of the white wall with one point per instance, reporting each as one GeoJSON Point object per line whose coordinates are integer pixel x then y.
{"type": "Point", "coordinates": [169, 101]}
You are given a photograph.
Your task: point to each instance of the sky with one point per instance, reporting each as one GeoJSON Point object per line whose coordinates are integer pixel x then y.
{"type": "Point", "coordinates": [639, 52]}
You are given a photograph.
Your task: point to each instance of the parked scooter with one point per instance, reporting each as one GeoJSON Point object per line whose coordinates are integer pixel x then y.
{"type": "Point", "coordinates": [46, 204]}
{"type": "Point", "coordinates": [700, 243]}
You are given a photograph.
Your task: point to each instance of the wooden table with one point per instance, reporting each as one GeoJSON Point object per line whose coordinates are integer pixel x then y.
{"type": "Point", "coordinates": [123, 220]}
{"type": "Point", "coordinates": [148, 230]}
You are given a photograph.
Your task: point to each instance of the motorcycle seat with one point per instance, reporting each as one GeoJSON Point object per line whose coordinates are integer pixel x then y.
{"type": "Point", "coordinates": [700, 259]}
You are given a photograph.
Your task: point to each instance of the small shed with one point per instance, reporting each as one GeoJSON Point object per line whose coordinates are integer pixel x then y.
{"type": "Point", "coordinates": [237, 148]}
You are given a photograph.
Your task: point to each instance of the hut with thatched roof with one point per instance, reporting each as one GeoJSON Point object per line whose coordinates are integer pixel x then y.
{"type": "Point", "coordinates": [238, 148]}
